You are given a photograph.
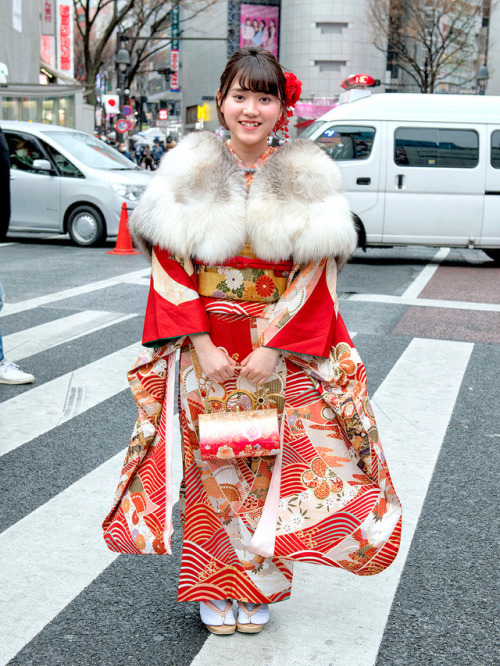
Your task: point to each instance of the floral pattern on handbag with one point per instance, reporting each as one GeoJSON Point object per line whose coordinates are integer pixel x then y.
{"type": "Point", "coordinates": [239, 434]}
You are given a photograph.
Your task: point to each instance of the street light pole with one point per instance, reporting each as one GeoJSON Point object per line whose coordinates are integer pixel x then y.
{"type": "Point", "coordinates": [482, 77]}
{"type": "Point", "coordinates": [123, 62]}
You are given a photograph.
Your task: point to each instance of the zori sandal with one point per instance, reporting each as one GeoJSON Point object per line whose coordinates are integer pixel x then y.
{"type": "Point", "coordinates": [252, 617]}
{"type": "Point", "coordinates": [211, 613]}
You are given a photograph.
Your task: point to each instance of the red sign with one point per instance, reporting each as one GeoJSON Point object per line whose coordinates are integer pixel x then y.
{"type": "Point", "coordinates": [359, 81]}
{"type": "Point", "coordinates": [65, 35]}
{"type": "Point", "coordinates": [123, 125]}
{"type": "Point", "coordinates": [163, 114]}
{"type": "Point", "coordinates": [174, 68]}
{"type": "Point", "coordinates": [127, 110]}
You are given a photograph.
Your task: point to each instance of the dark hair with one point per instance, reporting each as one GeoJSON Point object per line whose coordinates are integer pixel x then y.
{"type": "Point", "coordinates": [257, 71]}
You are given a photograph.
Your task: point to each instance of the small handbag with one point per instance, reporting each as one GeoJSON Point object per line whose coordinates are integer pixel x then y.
{"type": "Point", "coordinates": [238, 434]}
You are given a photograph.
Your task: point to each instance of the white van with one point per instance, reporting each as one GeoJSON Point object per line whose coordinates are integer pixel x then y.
{"type": "Point", "coordinates": [418, 169]}
{"type": "Point", "coordinates": [65, 181]}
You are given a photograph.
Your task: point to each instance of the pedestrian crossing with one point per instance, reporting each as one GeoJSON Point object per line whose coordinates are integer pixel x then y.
{"type": "Point", "coordinates": [56, 551]}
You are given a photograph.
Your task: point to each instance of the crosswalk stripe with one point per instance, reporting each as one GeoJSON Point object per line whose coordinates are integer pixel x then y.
{"type": "Point", "coordinates": [45, 336]}
{"type": "Point", "coordinates": [424, 302]}
{"type": "Point", "coordinates": [344, 616]}
{"type": "Point", "coordinates": [426, 274]}
{"type": "Point", "coordinates": [22, 306]}
{"type": "Point", "coordinates": [56, 551]}
{"type": "Point", "coordinates": [44, 407]}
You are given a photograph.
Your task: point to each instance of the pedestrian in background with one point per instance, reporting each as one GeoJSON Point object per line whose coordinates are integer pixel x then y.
{"type": "Point", "coordinates": [147, 159]}
{"type": "Point", "coordinates": [10, 373]}
{"type": "Point", "coordinates": [158, 152]}
{"type": "Point", "coordinates": [246, 240]}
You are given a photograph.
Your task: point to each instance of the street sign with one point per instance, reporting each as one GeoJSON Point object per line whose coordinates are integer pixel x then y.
{"type": "Point", "coordinates": [163, 114]}
{"type": "Point", "coordinates": [123, 125]}
{"type": "Point", "coordinates": [127, 110]}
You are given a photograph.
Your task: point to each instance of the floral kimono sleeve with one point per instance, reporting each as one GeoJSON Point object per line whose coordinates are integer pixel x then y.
{"type": "Point", "coordinates": [174, 306]}
{"type": "Point", "coordinates": [304, 319]}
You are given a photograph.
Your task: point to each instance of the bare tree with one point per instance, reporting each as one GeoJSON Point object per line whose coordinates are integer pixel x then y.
{"type": "Point", "coordinates": [98, 21]}
{"type": "Point", "coordinates": [431, 40]}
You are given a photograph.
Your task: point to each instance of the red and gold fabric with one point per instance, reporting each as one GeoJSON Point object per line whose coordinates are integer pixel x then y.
{"type": "Point", "coordinates": [336, 503]}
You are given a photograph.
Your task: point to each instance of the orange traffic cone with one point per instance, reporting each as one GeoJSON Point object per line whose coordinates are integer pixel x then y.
{"type": "Point", "coordinates": [123, 242]}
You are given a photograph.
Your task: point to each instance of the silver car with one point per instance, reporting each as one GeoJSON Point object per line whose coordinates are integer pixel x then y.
{"type": "Point", "coordinates": [67, 181]}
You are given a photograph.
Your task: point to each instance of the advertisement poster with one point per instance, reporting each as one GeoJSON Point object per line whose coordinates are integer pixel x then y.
{"type": "Point", "coordinates": [65, 58]}
{"type": "Point", "coordinates": [260, 26]}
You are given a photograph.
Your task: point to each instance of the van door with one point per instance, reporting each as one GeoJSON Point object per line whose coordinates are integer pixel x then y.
{"type": "Point", "coordinates": [35, 195]}
{"type": "Point", "coordinates": [435, 184]}
{"type": "Point", "coordinates": [357, 147]}
{"type": "Point", "coordinates": [491, 224]}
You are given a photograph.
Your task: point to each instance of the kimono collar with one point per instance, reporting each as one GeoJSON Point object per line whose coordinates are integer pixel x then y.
{"type": "Point", "coordinates": [198, 205]}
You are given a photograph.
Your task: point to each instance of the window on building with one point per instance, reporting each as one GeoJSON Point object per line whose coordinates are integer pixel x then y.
{"type": "Point", "coordinates": [433, 147]}
{"type": "Point", "coordinates": [191, 115]}
{"type": "Point", "coordinates": [330, 65]}
{"type": "Point", "coordinates": [331, 28]}
{"type": "Point", "coordinates": [495, 149]}
{"type": "Point", "coordinates": [347, 142]}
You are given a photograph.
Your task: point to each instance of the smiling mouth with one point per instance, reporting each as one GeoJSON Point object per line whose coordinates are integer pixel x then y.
{"type": "Point", "coordinates": [248, 123]}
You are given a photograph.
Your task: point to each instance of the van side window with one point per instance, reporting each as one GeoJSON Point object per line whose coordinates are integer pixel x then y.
{"type": "Point", "coordinates": [347, 142]}
{"type": "Point", "coordinates": [22, 152]}
{"type": "Point", "coordinates": [65, 167]}
{"type": "Point", "coordinates": [495, 149]}
{"type": "Point", "coordinates": [429, 147]}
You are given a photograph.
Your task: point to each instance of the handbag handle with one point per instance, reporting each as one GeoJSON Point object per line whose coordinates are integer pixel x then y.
{"type": "Point", "coordinates": [209, 384]}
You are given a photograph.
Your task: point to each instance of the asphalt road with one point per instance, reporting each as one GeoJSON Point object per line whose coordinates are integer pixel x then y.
{"type": "Point", "coordinates": [428, 330]}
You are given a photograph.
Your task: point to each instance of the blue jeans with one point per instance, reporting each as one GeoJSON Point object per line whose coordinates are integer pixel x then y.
{"type": "Point", "coordinates": [1, 306]}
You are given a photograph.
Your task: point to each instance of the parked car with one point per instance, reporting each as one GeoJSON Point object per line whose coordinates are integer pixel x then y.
{"type": "Point", "coordinates": [67, 181]}
{"type": "Point", "coordinates": [418, 169]}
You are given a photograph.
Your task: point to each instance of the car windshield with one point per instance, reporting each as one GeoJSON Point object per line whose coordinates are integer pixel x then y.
{"type": "Point", "coordinates": [91, 151]}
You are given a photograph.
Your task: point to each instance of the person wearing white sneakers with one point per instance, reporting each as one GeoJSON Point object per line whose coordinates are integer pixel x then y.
{"type": "Point", "coordinates": [10, 373]}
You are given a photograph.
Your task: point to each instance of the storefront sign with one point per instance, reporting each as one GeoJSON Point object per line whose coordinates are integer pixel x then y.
{"type": "Point", "coordinates": [65, 58]}
{"type": "Point", "coordinates": [174, 50]}
{"type": "Point", "coordinates": [48, 18]}
{"type": "Point", "coordinates": [163, 114]}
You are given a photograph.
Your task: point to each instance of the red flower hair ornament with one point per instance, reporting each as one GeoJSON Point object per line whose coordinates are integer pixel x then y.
{"type": "Point", "coordinates": [293, 90]}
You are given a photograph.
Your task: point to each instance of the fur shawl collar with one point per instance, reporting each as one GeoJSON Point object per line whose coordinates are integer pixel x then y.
{"type": "Point", "coordinates": [197, 205]}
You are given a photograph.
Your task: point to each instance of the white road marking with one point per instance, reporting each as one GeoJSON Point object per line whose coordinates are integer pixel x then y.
{"type": "Point", "coordinates": [426, 274]}
{"type": "Point", "coordinates": [333, 616]}
{"type": "Point", "coordinates": [56, 551]}
{"type": "Point", "coordinates": [14, 308]}
{"type": "Point", "coordinates": [40, 338]}
{"type": "Point", "coordinates": [7, 244]}
{"type": "Point", "coordinates": [44, 407]}
{"type": "Point", "coordinates": [424, 302]}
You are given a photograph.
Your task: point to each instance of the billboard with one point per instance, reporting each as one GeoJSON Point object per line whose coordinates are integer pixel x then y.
{"type": "Point", "coordinates": [64, 51]}
{"type": "Point", "coordinates": [259, 25]}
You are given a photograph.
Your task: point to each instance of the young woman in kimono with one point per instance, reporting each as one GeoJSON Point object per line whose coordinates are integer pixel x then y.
{"type": "Point", "coordinates": [246, 241]}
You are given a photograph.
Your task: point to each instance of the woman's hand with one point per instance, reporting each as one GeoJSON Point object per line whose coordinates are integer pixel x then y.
{"type": "Point", "coordinates": [258, 366]}
{"type": "Point", "coordinates": [215, 363]}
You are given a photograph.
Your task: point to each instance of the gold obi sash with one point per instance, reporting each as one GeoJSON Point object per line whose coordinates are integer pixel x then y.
{"type": "Point", "coordinates": [243, 279]}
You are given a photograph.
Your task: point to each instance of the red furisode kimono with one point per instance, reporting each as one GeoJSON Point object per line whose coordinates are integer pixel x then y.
{"type": "Point", "coordinates": [328, 497]}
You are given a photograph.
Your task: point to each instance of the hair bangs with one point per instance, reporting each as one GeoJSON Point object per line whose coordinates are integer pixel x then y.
{"type": "Point", "coordinates": [259, 77]}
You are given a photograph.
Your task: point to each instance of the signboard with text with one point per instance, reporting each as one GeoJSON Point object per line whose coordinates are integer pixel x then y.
{"type": "Point", "coordinates": [64, 33]}
{"type": "Point", "coordinates": [163, 114]}
{"type": "Point", "coordinates": [174, 50]}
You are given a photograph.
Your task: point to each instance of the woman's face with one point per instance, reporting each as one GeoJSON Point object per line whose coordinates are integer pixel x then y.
{"type": "Point", "coordinates": [250, 116]}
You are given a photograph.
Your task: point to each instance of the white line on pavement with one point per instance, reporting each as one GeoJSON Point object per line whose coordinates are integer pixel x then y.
{"type": "Point", "coordinates": [333, 616]}
{"type": "Point", "coordinates": [44, 407]}
{"type": "Point", "coordinates": [56, 551]}
{"type": "Point", "coordinates": [39, 338]}
{"type": "Point", "coordinates": [14, 308]}
{"type": "Point", "coordinates": [7, 244]}
{"type": "Point", "coordinates": [424, 302]}
{"type": "Point", "coordinates": [425, 275]}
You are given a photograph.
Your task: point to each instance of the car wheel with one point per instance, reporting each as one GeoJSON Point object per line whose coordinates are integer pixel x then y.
{"type": "Point", "coordinates": [494, 254]}
{"type": "Point", "coordinates": [86, 226]}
